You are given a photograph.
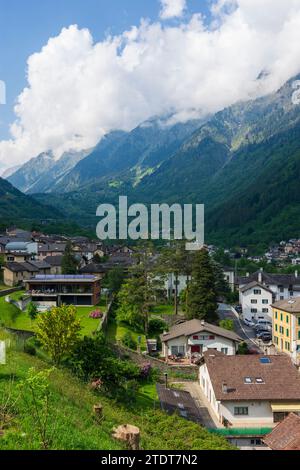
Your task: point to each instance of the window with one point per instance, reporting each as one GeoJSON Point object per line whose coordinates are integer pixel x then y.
{"type": "Point", "coordinates": [175, 350]}
{"type": "Point", "coordinates": [259, 380]}
{"type": "Point", "coordinates": [282, 297]}
{"type": "Point", "coordinates": [281, 330]}
{"type": "Point", "coordinates": [281, 317]}
{"type": "Point", "coordinates": [299, 321]}
{"type": "Point", "coordinates": [287, 319]}
{"type": "Point", "coordinates": [257, 292]}
{"type": "Point", "coordinates": [276, 315]}
{"type": "Point", "coordinates": [287, 332]}
{"type": "Point", "coordinates": [241, 411]}
{"type": "Point", "coordinates": [225, 351]}
{"type": "Point", "coordinates": [276, 340]}
{"type": "Point", "coordinates": [195, 337]}
{"type": "Point", "coordinates": [265, 301]}
{"type": "Point", "coordinates": [287, 345]}
{"type": "Point", "coordinates": [253, 310]}
{"type": "Point", "coordinates": [265, 310]}
{"type": "Point", "coordinates": [254, 301]}
{"type": "Point", "coordinates": [298, 334]}
{"type": "Point", "coordinates": [281, 289]}
{"type": "Point", "coordinates": [276, 328]}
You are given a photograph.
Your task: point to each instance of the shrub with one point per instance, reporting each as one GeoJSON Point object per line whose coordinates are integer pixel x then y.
{"type": "Point", "coordinates": [129, 341]}
{"type": "Point", "coordinates": [156, 327]}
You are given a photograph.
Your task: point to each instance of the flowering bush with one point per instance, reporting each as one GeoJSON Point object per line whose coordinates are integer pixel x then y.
{"type": "Point", "coordinates": [146, 371]}
{"type": "Point", "coordinates": [96, 314]}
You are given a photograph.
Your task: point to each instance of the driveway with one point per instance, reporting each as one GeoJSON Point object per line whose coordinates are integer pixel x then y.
{"type": "Point", "coordinates": [206, 419]}
{"type": "Point", "coordinates": [245, 332]}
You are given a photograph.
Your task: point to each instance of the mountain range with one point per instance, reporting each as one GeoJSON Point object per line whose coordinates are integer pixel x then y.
{"type": "Point", "coordinates": [243, 163]}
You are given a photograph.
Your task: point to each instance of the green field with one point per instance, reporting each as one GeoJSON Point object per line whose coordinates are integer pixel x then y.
{"type": "Point", "coordinates": [12, 317]}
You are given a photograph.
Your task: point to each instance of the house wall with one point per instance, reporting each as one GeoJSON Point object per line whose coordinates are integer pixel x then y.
{"type": "Point", "coordinates": [9, 278]}
{"type": "Point", "coordinates": [286, 333]}
{"type": "Point", "coordinates": [246, 299]}
{"type": "Point", "coordinates": [218, 343]}
{"type": "Point", "coordinates": [207, 389]}
{"type": "Point", "coordinates": [56, 270]}
{"type": "Point", "coordinates": [13, 279]}
{"type": "Point", "coordinates": [260, 413]}
{"type": "Point", "coordinates": [230, 278]}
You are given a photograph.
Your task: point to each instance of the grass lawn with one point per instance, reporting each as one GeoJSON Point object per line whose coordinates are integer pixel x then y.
{"type": "Point", "coordinates": [116, 332]}
{"type": "Point", "coordinates": [163, 309]}
{"type": "Point", "coordinates": [12, 317]}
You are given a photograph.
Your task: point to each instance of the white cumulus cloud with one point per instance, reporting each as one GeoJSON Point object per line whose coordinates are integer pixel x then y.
{"type": "Point", "coordinates": [79, 89]}
{"type": "Point", "coordinates": [172, 8]}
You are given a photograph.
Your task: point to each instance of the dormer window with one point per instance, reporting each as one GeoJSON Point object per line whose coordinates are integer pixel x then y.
{"type": "Point", "coordinates": [248, 381]}
{"type": "Point", "coordinates": [259, 380]}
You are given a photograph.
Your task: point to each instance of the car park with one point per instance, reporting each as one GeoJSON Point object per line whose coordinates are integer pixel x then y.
{"type": "Point", "coordinates": [265, 336]}
{"type": "Point", "coordinates": [249, 323]}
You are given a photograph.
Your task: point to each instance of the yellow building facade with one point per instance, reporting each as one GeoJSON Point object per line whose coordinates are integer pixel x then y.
{"type": "Point", "coordinates": [286, 328]}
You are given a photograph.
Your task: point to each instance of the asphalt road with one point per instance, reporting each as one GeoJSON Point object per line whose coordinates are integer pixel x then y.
{"type": "Point", "coordinates": [245, 332]}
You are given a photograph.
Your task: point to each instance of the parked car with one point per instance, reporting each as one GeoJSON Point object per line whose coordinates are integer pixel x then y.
{"type": "Point", "coordinates": [265, 336]}
{"type": "Point", "coordinates": [264, 322]}
{"type": "Point", "coordinates": [262, 325]}
{"type": "Point", "coordinates": [249, 322]}
{"type": "Point", "coordinates": [238, 309]}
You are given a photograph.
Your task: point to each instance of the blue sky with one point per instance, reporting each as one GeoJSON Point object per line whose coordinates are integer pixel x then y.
{"type": "Point", "coordinates": [26, 25]}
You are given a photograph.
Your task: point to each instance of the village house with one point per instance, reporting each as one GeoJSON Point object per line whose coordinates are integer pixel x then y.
{"type": "Point", "coordinates": [56, 263]}
{"type": "Point", "coordinates": [192, 338]}
{"type": "Point", "coordinates": [256, 300]}
{"type": "Point", "coordinates": [249, 391]}
{"type": "Point", "coordinates": [14, 274]}
{"type": "Point", "coordinates": [55, 290]}
{"type": "Point", "coordinates": [20, 251]}
{"type": "Point", "coordinates": [286, 328]}
{"type": "Point", "coordinates": [51, 249]}
{"type": "Point", "coordinates": [95, 269]}
{"type": "Point", "coordinates": [260, 290]}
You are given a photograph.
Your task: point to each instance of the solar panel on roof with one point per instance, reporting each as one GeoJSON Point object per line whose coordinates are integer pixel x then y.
{"type": "Point", "coordinates": [265, 360]}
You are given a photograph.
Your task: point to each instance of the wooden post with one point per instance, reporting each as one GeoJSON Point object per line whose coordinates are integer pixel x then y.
{"type": "Point", "coordinates": [130, 435]}
{"type": "Point", "coordinates": [98, 412]}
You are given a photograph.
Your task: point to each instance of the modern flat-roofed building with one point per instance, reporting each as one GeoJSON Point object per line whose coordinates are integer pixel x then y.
{"type": "Point", "coordinates": [56, 290]}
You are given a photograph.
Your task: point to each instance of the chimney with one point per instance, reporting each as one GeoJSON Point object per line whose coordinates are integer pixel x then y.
{"type": "Point", "coordinates": [260, 276]}
{"type": "Point", "coordinates": [296, 274]}
{"type": "Point", "coordinates": [224, 387]}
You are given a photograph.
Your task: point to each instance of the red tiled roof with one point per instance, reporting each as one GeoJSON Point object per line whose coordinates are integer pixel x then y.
{"type": "Point", "coordinates": [278, 378]}
{"type": "Point", "coordinates": [286, 435]}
